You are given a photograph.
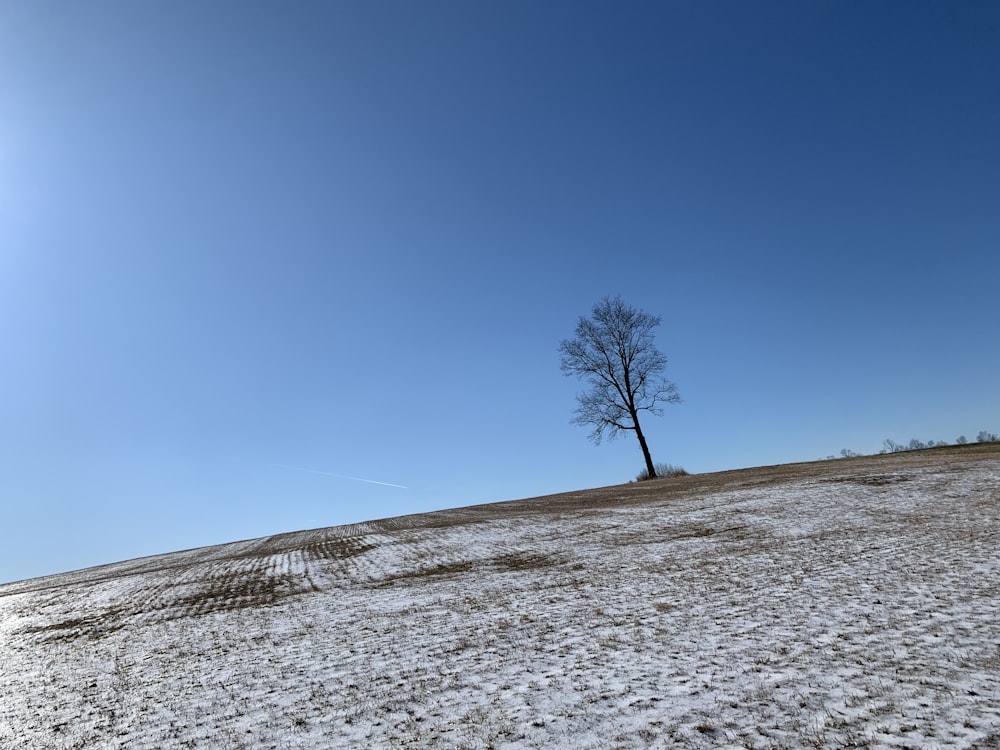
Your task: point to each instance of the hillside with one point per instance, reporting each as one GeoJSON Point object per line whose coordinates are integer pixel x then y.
{"type": "Point", "coordinates": [829, 604]}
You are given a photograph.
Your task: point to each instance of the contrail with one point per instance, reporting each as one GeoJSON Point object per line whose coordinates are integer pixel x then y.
{"type": "Point", "coordinates": [341, 476]}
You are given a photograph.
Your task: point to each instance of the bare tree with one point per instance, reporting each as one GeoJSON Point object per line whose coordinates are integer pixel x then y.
{"type": "Point", "coordinates": [613, 351]}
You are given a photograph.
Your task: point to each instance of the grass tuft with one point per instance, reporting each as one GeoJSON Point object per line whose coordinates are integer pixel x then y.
{"type": "Point", "coordinates": [662, 470]}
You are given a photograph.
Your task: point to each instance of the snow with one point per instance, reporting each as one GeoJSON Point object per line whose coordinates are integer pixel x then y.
{"type": "Point", "coordinates": [856, 611]}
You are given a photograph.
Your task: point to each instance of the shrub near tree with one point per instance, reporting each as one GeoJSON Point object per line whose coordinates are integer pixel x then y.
{"type": "Point", "coordinates": [662, 470]}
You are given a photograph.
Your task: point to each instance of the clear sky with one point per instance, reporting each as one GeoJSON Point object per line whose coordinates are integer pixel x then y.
{"type": "Point", "coordinates": [251, 253]}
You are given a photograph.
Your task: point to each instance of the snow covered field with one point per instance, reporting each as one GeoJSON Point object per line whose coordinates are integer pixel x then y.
{"type": "Point", "coordinates": [854, 604]}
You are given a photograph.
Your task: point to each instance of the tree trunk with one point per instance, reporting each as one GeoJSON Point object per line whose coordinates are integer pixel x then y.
{"type": "Point", "coordinates": [645, 450]}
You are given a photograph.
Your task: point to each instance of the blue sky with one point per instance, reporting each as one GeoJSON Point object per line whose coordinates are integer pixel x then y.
{"type": "Point", "coordinates": [249, 250]}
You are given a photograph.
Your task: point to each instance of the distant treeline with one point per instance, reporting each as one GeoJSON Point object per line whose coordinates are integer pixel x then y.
{"type": "Point", "coordinates": [891, 446]}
